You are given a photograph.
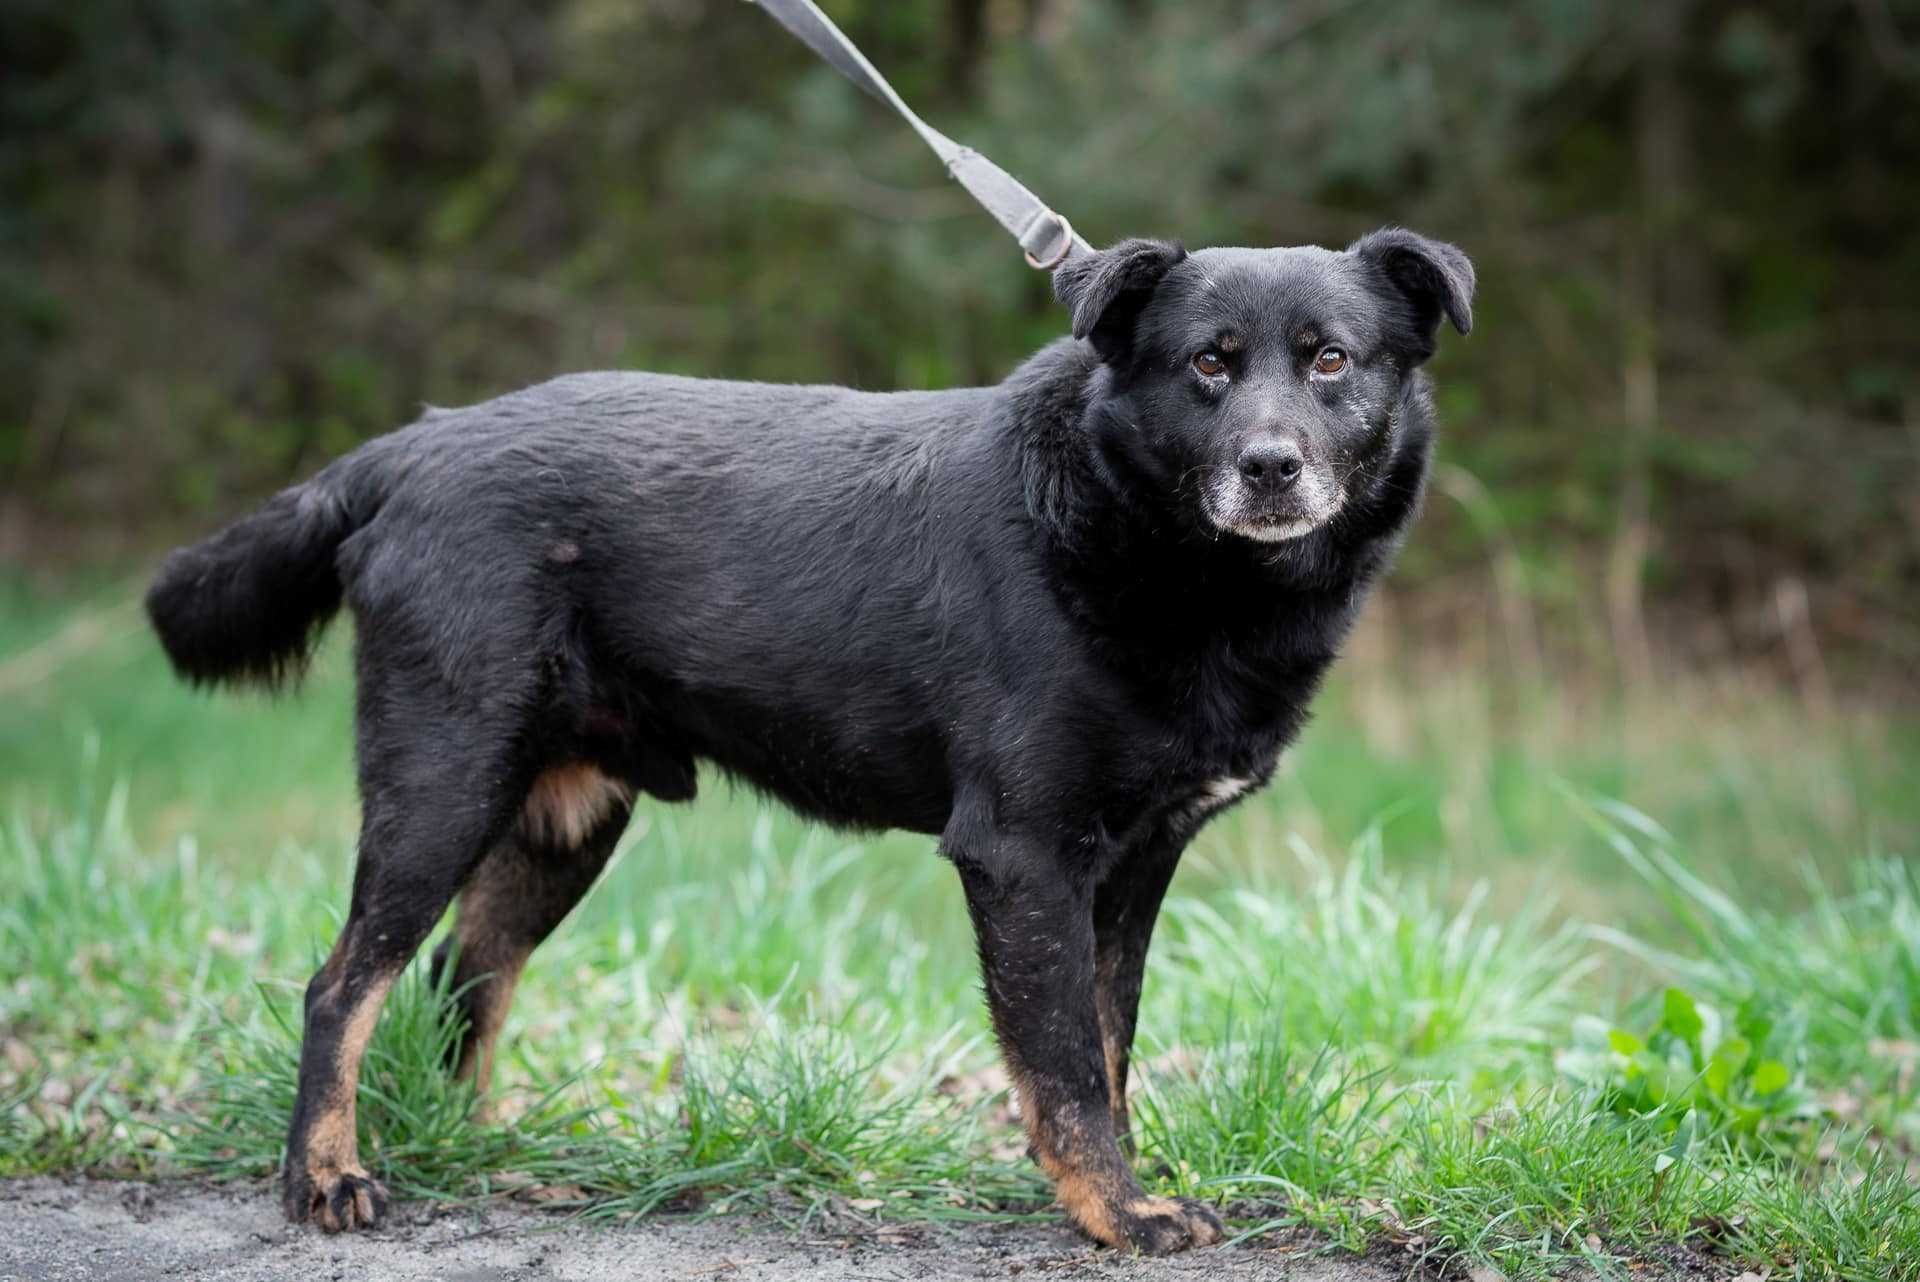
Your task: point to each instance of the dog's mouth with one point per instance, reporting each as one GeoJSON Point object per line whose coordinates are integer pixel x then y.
{"type": "Point", "coordinates": [1271, 529]}
{"type": "Point", "coordinates": [1230, 506]}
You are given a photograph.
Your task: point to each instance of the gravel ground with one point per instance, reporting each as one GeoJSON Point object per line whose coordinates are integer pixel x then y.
{"type": "Point", "coordinates": [122, 1232]}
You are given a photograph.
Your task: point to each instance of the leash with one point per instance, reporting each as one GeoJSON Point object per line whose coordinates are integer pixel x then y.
{"type": "Point", "coordinates": [1047, 237]}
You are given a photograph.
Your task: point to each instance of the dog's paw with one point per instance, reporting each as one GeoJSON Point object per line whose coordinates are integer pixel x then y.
{"type": "Point", "coordinates": [1163, 1225]}
{"type": "Point", "coordinates": [334, 1200]}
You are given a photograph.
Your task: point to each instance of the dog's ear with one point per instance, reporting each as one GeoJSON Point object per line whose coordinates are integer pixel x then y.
{"type": "Point", "coordinates": [1105, 291]}
{"type": "Point", "coordinates": [1435, 278]}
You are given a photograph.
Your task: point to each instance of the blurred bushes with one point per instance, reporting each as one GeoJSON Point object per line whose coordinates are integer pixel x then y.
{"type": "Point", "coordinates": [235, 238]}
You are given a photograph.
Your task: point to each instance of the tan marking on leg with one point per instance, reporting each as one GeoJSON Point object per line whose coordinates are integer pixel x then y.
{"type": "Point", "coordinates": [489, 1017]}
{"type": "Point", "coordinates": [1097, 1188]}
{"type": "Point", "coordinates": [1069, 1152]}
{"type": "Point", "coordinates": [484, 932]}
{"type": "Point", "coordinates": [1088, 1205]}
{"type": "Point", "coordinates": [333, 1142]}
{"type": "Point", "coordinates": [1116, 1057]}
{"type": "Point", "coordinates": [332, 1139]}
{"type": "Point", "coordinates": [568, 801]}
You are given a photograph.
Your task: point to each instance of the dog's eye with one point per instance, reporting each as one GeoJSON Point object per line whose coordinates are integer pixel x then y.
{"type": "Point", "coordinates": [1331, 360]}
{"type": "Point", "coordinates": [1209, 365]}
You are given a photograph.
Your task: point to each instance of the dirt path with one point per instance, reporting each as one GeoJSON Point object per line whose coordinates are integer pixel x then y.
{"type": "Point", "coordinates": [120, 1232]}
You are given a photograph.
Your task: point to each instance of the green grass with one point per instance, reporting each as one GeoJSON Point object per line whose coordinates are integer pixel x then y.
{"type": "Point", "coordinates": [1388, 999]}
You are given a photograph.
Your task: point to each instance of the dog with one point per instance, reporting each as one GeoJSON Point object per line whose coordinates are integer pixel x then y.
{"type": "Point", "coordinates": [1059, 623]}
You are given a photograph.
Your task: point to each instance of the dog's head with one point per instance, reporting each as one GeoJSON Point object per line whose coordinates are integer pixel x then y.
{"type": "Point", "coordinates": [1260, 386]}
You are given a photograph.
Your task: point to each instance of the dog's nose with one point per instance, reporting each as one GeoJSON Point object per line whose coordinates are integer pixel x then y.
{"type": "Point", "coordinates": [1270, 467]}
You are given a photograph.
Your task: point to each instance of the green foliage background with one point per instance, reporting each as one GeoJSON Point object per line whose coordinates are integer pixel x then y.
{"type": "Point", "coordinates": [238, 236]}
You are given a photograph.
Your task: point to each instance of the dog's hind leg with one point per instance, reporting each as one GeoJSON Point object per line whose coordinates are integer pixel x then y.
{"type": "Point", "coordinates": [1125, 907]}
{"type": "Point", "coordinates": [572, 820]}
{"type": "Point", "coordinates": [437, 789]}
{"type": "Point", "coordinates": [1033, 922]}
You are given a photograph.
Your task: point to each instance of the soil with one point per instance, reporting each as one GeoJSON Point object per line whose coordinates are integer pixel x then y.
{"type": "Point", "coordinates": [79, 1230]}
{"type": "Point", "coordinates": [113, 1231]}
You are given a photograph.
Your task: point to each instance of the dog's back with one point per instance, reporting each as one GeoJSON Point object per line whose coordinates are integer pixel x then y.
{"type": "Point", "coordinates": [630, 459]}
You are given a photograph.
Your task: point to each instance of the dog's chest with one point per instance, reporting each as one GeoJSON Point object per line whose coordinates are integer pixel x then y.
{"type": "Point", "coordinates": [1216, 735]}
{"type": "Point", "coordinates": [1216, 794]}
{"type": "Point", "coordinates": [1174, 799]}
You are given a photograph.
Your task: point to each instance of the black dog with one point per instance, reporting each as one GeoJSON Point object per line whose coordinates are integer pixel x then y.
{"type": "Point", "coordinates": [1058, 622]}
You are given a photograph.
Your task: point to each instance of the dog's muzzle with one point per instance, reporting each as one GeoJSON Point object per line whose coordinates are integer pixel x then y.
{"type": "Point", "coordinates": [1271, 495]}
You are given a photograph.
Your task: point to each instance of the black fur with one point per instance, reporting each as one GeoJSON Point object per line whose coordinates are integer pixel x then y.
{"type": "Point", "coordinates": [1057, 623]}
{"type": "Point", "coordinates": [250, 601]}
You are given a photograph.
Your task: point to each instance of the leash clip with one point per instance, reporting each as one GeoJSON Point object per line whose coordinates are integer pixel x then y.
{"type": "Point", "coordinates": [998, 191]}
{"type": "Point", "coordinates": [1066, 241]}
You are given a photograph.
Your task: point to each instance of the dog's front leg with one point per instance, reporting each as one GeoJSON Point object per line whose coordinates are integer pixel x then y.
{"type": "Point", "coordinates": [1034, 923]}
{"type": "Point", "coordinates": [1124, 910]}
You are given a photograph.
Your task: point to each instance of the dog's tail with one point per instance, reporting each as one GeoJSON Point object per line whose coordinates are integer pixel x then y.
{"type": "Point", "coordinates": [248, 604]}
